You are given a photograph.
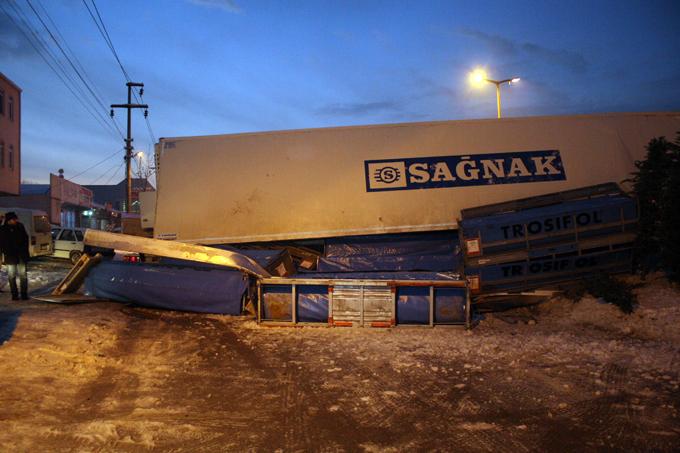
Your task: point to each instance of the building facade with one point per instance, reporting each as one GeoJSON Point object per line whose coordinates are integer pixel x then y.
{"type": "Point", "coordinates": [115, 195]}
{"type": "Point", "coordinates": [66, 203]}
{"type": "Point", "coordinates": [10, 136]}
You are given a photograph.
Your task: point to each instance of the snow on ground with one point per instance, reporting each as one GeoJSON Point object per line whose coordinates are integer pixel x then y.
{"type": "Point", "coordinates": [41, 272]}
{"type": "Point", "coordinates": [565, 377]}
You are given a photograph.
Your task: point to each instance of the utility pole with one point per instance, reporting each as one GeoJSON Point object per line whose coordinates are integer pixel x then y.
{"type": "Point", "coordinates": [128, 141]}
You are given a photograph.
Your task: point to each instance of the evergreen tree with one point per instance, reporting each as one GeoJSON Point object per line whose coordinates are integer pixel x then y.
{"type": "Point", "coordinates": [656, 184]}
{"type": "Point", "coordinates": [670, 214]}
{"type": "Point", "coordinates": [648, 186]}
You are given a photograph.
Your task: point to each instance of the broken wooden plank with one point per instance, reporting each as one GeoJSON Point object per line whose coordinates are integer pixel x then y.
{"type": "Point", "coordinates": [76, 275]}
{"type": "Point", "coordinates": [175, 249]}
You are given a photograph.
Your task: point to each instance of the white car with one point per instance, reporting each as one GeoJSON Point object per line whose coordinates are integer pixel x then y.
{"type": "Point", "coordinates": [68, 243]}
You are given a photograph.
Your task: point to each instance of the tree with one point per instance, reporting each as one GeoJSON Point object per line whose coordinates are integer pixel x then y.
{"type": "Point", "coordinates": [656, 184]}
{"type": "Point", "coordinates": [669, 229]}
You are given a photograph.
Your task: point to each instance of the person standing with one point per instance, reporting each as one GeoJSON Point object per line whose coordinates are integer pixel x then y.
{"type": "Point", "coordinates": [14, 247]}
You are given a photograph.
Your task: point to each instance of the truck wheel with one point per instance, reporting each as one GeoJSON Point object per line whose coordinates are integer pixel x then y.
{"type": "Point", "coordinates": [75, 256]}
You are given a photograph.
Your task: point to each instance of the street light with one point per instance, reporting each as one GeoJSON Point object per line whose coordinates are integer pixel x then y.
{"type": "Point", "coordinates": [478, 77]}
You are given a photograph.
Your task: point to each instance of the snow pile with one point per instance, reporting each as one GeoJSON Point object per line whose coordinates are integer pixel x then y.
{"type": "Point", "coordinates": [657, 316]}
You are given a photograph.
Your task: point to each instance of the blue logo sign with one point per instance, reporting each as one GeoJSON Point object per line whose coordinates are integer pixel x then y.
{"type": "Point", "coordinates": [467, 170]}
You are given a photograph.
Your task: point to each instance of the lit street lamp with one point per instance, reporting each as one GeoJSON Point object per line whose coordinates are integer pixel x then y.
{"type": "Point", "coordinates": [478, 77]}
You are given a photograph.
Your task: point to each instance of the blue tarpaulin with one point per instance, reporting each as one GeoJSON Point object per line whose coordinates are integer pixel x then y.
{"type": "Point", "coordinates": [436, 251]}
{"type": "Point", "coordinates": [196, 289]}
{"type": "Point", "coordinates": [413, 305]}
{"type": "Point", "coordinates": [312, 303]}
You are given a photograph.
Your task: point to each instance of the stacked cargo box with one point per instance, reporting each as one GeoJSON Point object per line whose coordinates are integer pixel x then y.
{"type": "Point", "coordinates": [363, 302]}
{"type": "Point", "coordinates": [543, 241]}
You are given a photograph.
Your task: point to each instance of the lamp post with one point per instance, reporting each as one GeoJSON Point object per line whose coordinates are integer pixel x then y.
{"type": "Point", "coordinates": [478, 76]}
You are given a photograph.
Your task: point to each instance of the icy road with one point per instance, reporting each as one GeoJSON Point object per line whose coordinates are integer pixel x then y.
{"type": "Point", "coordinates": [564, 377]}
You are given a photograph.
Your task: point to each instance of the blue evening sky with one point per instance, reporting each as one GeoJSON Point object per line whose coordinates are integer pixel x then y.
{"type": "Point", "coordinates": [226, 66]}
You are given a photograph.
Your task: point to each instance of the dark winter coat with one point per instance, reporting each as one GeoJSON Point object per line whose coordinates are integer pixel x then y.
{"type": "Point", "coordinates": [14, 243]}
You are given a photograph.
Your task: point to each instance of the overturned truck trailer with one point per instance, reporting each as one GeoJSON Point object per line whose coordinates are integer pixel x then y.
{"type": "Point", "coordinates": [387, 200]}
{"type": "Point", "coordinates": [320, 183]}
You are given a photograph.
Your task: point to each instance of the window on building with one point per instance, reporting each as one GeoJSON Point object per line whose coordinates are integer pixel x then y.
{"type": "Point", "coordinates": [2, 102]}
{"type": "Point", "coordinates": [2, 155]}
{"type": "Point", "coordinates": [11, 157]}
{"type": "Point", "coordinates": [10, 108]}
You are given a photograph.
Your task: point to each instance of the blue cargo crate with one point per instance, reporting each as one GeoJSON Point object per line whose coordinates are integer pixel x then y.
{"type": "Point", "coordinates": [543, 220]}
{"type": "Point", "coordinates": [536, 273]}
{"type": "Point", "coordinates": [541, 241]}
{"type": "Point", "coordinates": [567, 222]}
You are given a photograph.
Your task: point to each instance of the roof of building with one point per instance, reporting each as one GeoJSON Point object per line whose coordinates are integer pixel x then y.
{"type": "Point", "coordinates": [9, 81]}
{"type": "Point", "coordinates": [104, 193]}
{"type": "Point", "coordinates": [34, 189]}
{"type": "Point", "coordinates": [107, 193]}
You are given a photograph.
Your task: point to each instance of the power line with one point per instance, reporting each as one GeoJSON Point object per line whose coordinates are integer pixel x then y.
{"type": "Point", "coordinates": [105, 34]}
{"type": "Point", "coordinates": [80, 76]}
{"type": "Point", "coordinates": [45, 46]}
{"type": "Point", "coordinates": [114, 174]}
{"type": "Point", "coordinates": [97, 164]}
{"type": "Point", "coordinates": [117, 166]}
{"type": "Point", "coordinates": [80, 66]}
{"type": "Point", "coordinates": [37, 44]}
{"type": "Point", "coordinates": [101, 26]}
{"type": "Point", "coordinates": [148, 124]}
{"type": "Point", "coordinates": [63, 52]}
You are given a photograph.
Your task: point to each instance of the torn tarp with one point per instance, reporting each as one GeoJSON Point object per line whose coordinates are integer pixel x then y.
{"type": "Point", "coordinates": [436, 251]}
{"type": "Point", "coordinates": [185, 288]}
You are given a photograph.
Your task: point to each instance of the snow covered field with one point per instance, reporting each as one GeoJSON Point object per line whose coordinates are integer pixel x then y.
{"type": "Point", "coordinates": [560, 377]}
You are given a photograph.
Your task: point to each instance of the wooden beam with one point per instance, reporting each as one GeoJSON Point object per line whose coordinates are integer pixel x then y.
{"type": "Point", "coordinates": [174, 249]}
{"type": "Point", "coordinates": [76, 275]}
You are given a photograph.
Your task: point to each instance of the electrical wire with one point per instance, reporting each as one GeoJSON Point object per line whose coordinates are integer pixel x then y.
{"type": "Point", "coordinates": [98, 163]}
{"type": "Point", "coordinates": [58, 32]}
{"type": "Point", "coordinates": [41, 49]}
{"type": "Point", "coordinates": [101, 26]}
{"type": "Point", "coordinates": [46, 47]}
{"type": "Point", "coordinates": [105, 34]}
{"type": "Point", "coordinates": [148, 124]}
{"type": "Point", "coordinates": [108, 170]}
{"type": "Point", "coordinates": [114, 174]}
{"type": "Point", "coordinates": [78, 73]}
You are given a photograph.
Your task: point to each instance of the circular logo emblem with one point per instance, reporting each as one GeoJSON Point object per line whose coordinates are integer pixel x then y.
{"type": "Point", "coordinates": [387, 175]}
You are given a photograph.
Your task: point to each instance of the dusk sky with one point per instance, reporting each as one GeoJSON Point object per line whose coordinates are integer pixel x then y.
{"type": "Point", "coordinates": [228, 66]}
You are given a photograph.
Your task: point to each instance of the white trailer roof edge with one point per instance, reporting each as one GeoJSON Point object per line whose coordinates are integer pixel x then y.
{"type": "Point", "coordinates": [420, 123]}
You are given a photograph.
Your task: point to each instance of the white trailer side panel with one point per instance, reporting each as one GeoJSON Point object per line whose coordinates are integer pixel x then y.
{"type": "Point", "coordinates": [147, 208]}
{"type": "Point", "coordinates": [316, 183]}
